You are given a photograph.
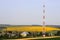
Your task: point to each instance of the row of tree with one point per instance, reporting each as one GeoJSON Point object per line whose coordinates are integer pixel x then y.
{"type": "Point", "coordinates": [14, 34]}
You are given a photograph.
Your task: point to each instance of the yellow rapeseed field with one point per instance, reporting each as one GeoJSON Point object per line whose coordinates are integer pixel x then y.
{"type": "Point", "coordinates": [30, 28]}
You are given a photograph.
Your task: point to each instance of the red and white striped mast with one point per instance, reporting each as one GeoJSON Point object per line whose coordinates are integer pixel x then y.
{"type": "Point", "coordinates": [43, 19]}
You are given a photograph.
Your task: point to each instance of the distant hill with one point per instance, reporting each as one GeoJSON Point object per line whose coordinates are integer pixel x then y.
{"type": "Point", "coordinates": [58, 26]}
{"type": "Point", "coordinates": [3, 26]}
{"type": "Point", "coordinates": [8, 25]}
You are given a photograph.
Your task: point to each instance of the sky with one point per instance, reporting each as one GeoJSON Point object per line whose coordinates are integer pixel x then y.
{"type": "Point", "coordinates": [29, 12]}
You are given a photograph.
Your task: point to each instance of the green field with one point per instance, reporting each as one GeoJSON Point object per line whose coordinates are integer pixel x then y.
{"type": "Point", "coordinates": [58, 38]}
{"type": "Point", "coordinates": [49, 39]}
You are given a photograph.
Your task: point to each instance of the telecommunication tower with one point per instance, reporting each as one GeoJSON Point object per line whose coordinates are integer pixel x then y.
{"type": "Point", "coordinates": [43, 32]}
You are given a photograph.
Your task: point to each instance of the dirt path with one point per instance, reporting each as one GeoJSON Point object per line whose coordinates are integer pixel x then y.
{"type": "Point", "coordinates": [34, 38]}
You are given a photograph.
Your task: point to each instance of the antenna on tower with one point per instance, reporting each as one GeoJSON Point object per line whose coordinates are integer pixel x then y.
{"type": "Point", "coordinates": [43, 32]}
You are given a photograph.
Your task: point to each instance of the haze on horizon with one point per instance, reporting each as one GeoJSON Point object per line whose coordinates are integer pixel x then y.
{"type": "Point", "coordinates": [29, 12]}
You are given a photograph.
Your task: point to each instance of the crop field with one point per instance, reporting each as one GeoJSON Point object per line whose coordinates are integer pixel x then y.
{"type": "Point", "coordinates": [30, 28]}
{"type": "Point", "coordinates": [33, 31]}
